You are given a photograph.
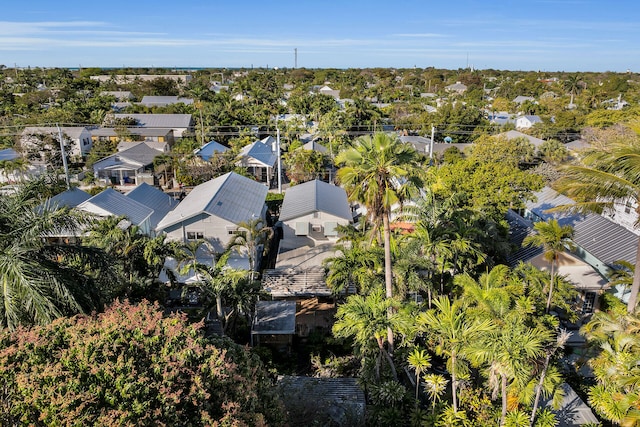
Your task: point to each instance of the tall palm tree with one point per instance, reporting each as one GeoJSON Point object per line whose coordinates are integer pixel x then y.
{"type": "Point", "coordinates": [554, 238]}
{"type": "Point", "coordinates": [572, 85]}
{"type": "Point", "coordinates": [380, 171]}
{"type": "Point", "coordinates": [603, 178]}
{"type": "Point", "coordinates": [452, 331]}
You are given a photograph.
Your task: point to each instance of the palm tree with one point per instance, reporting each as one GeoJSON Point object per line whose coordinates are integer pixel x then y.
{"type": "Point", "coordinates": [353, 267]}
{"type": "Point", "coordinates": [510, 353]}
{"type": "Point", "coordinates": [367, 319]}
{"type": "Point", "coordinates": [42, 278]}
{"type": "Point", "coordinates": [419, 360]}
{"type": "Point", "coordinates": [554, 238]}
{"type": "Point", "coordinates": [573, 85]}
{"type": "Point", "coordinates": [616, 396]}
{"type": "Point", "coordinates": [452, 331]}
{"type": "Point", "coordinates": [434, 385]}
{"type": "Point", "coordinates": [561, 339]}
{"type": "Point", "coordinates": [603, 178]}
{"type": "Point", "coordinates": [250, 238]}
{"type": "Point", "coordinates": [380, 171]}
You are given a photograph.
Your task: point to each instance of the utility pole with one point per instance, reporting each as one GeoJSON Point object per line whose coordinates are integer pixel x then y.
{"type": "Point", "coordinates": [279, 160]}
{"type": "Point", "coordinates": [295, 52]}
{"type": "Point", "coordinates": [433, 133]}
{"type": "Point", "coordinates": [64, 158]}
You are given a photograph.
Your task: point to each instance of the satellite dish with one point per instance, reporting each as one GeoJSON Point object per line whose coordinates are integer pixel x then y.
{"type": "Point", "coordinates": [448, 140]}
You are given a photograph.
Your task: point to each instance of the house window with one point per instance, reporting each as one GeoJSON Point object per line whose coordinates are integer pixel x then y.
{"type": "Point", "coordinates": [195, 235]}
{"type": "Point", "coordinates": [627, 207]}
{"type": "Point", "coordinates": [589, 301]}
{"type": "Point", "coordinates": [316, 215]}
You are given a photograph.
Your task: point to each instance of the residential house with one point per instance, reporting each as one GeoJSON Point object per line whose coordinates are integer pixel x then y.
{"type": "Point", "coordinates": [457, 87]}
{"type": "Point", "coordinates": [520, 99]}
{"type": "Point", "coordinates": [113, 203]}
{"type": "Point", "coordinates": [161, 135]}
{"type": "Point", "coordinates": [161, 146]}
{"type": "Point", "coordinates": [179, 123]}
{"type": "Point", "coordinates": [326, 90]}
{"type": "Point", "coordinates": [181, 79]}
{"type": "Point", "coordinates": [512, 134]}
{"type": "Point", "coordinates": [78, 139]}
{"type": "Point", "coordinates": [163, 101]}
{"type": "Point", "coordinates": [309, 216]}
{"type": "Point", "coordinates": [130, 166]}
{"type": "Point", "coordinates": [423, 145]}
{"type": "Point", "coordinates": [310, 213]}
{"type": "Point", "coordinates": [600, 243]}
{"type": "Point", "coordinates": [209, 149]}
{"type": "Point", "coordinates": [213, 210]}
{"type": "Point", "coordinates": [12, 168]}
{"type": "Point", "coordinates": [526, 121]}
{"type": "Point", "coordinates": [260, 158]}
{"type": "Point", "coordinates": [119, 95]}
{"type": "Point", "coordinates": [69, 198]}
{"type": "Point", "coordinates": [160, 202]}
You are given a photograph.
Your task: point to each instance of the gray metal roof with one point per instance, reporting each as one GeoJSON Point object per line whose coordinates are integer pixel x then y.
{"type": "Point", "coordinates": [275, 318]}
{"type": "Point", "coordinates": [141, 153]}
{"type": "Point", "coordinates": [315, 196]}
{"type": "Point", "coordinates": [164, 100]}
{"type": "Point", "coordinates": [232, 197]}
{"type": "Point", "coordinates": [601, 237]}
{"type": "Point", "coordinates": [159, 120]}
{"type": "Point", "coordinates": [262, 151]}
{"type": "Point", "coordinates": [573, 411]}
{"type": "Point", "coordinates": [515, 134]}
{"type": "Point", "coordinates": [334, 401]}
{"type": "Point", "coordinates": [160, 202]}
{"type": "Point", "coordinates": [72, 132]}
{"type": "Point", "coordinates": [70, 198]}
{"type": "Point", "coordinates": [287, 282]}
{"type": "Point", "coordinates": [315, 146]}
{"type": "Point", "coordinates": [209, 149]}
{"type": "Point", "coordinates": [117, 204]}
{"type": "Point", "coordinates": [133, 131]}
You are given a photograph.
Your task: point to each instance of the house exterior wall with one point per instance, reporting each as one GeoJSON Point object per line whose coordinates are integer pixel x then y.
{"type": "Point", "coordinates": [214, 229]}
{"type": "Point", "coordinates": [624, 214]}
{"type": "Point", "coordinates": [316, 219]}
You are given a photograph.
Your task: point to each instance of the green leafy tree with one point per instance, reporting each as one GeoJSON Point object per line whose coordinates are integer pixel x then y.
{"type": "Point", "coordinates": [419, 360]}
{"type": "Point", "coordinates": [250, 239]}
{"type": "Point", "coordinates": [355, 267]}
{"type": "Point", "coordinates": [130, 366]}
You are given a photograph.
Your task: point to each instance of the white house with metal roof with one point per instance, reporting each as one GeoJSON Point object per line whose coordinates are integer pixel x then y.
{"type": "Point", "coordinates": [127, 166]}
{"type": "Point", "coordinates": [314, 209]}
{"type": "Point", "coordinates": [213, 210]}
{"type": "Point", "coordinates": [260, 158]}
{"type": "Point", "coordinates": [527, 121]}
{"type": "Point", "coordinates": [113, 203]}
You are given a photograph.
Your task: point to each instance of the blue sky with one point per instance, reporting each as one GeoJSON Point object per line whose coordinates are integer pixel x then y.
{"type": "Point", "coordinates": [550, 35]}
